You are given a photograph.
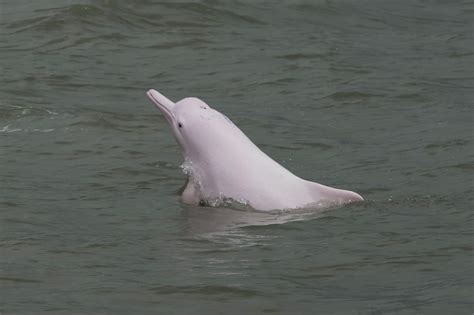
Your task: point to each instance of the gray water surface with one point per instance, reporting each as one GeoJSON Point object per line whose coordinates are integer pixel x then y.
{"type": "Point", "coordinates": [371, 96]}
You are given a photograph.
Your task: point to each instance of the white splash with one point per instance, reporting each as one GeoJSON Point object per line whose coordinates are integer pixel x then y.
{"type": "Point", "coordinates": [187, 167]}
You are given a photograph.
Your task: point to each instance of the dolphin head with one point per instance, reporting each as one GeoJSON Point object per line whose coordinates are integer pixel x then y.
{"type": "Point", "coordinates": [195, 124]}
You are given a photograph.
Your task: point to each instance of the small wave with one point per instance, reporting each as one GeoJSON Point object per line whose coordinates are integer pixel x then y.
{"type": "Point", "coordinates": [194, 42]}
{"type": "Point", "coordinates": [19, 111]}
{"type": "Point", "coordinates": [212, 12]}
{"type": "Point", "coordinates": [71, 17]}
{"type": "Point", "coordinates": [19, 280]}
{"type": "Point", "coordinates": [351, 95]}
{"type": "Point", "coordinates": [205, 290]}
{"type": "Point", "coordinates": [447, 144]}
{"type": "Point", "coordinates": [7, 129]}
{"type": "Point", "coordinates": [464, 166]}
{"type": "Point", "coordinates": [297, 56]}
{"type": "Point", "coordinates": [64, 15]}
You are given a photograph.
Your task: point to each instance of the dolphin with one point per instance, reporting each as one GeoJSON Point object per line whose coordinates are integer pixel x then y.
{"type": "Point", "coordinates": [223, 164]}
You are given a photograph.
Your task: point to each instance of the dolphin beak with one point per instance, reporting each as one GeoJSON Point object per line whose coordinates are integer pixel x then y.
{"type": "Point", "coordinates": [163, 103]}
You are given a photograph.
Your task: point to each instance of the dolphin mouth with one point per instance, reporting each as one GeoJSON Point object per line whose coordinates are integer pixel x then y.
{"type": "Point", "coordinates": [164, 104]}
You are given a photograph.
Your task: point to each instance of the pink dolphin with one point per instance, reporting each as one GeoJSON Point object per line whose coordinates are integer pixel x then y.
{"type": "Point", "coordinates": [222, 163]}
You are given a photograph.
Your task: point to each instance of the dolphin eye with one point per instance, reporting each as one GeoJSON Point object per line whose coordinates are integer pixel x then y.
{"type": "Point", "coordinates": [180, 125]}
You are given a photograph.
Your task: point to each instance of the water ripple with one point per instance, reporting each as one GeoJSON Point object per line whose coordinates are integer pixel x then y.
{"type": "Point", "coordinates": [214, 290]}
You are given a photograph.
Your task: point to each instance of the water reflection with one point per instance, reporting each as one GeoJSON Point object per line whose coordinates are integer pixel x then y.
{"type": "Point", "coordinates": [209, 220]}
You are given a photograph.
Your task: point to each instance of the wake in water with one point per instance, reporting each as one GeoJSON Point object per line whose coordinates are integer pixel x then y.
{"type": "Point", "coordinates": [219, 219]}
